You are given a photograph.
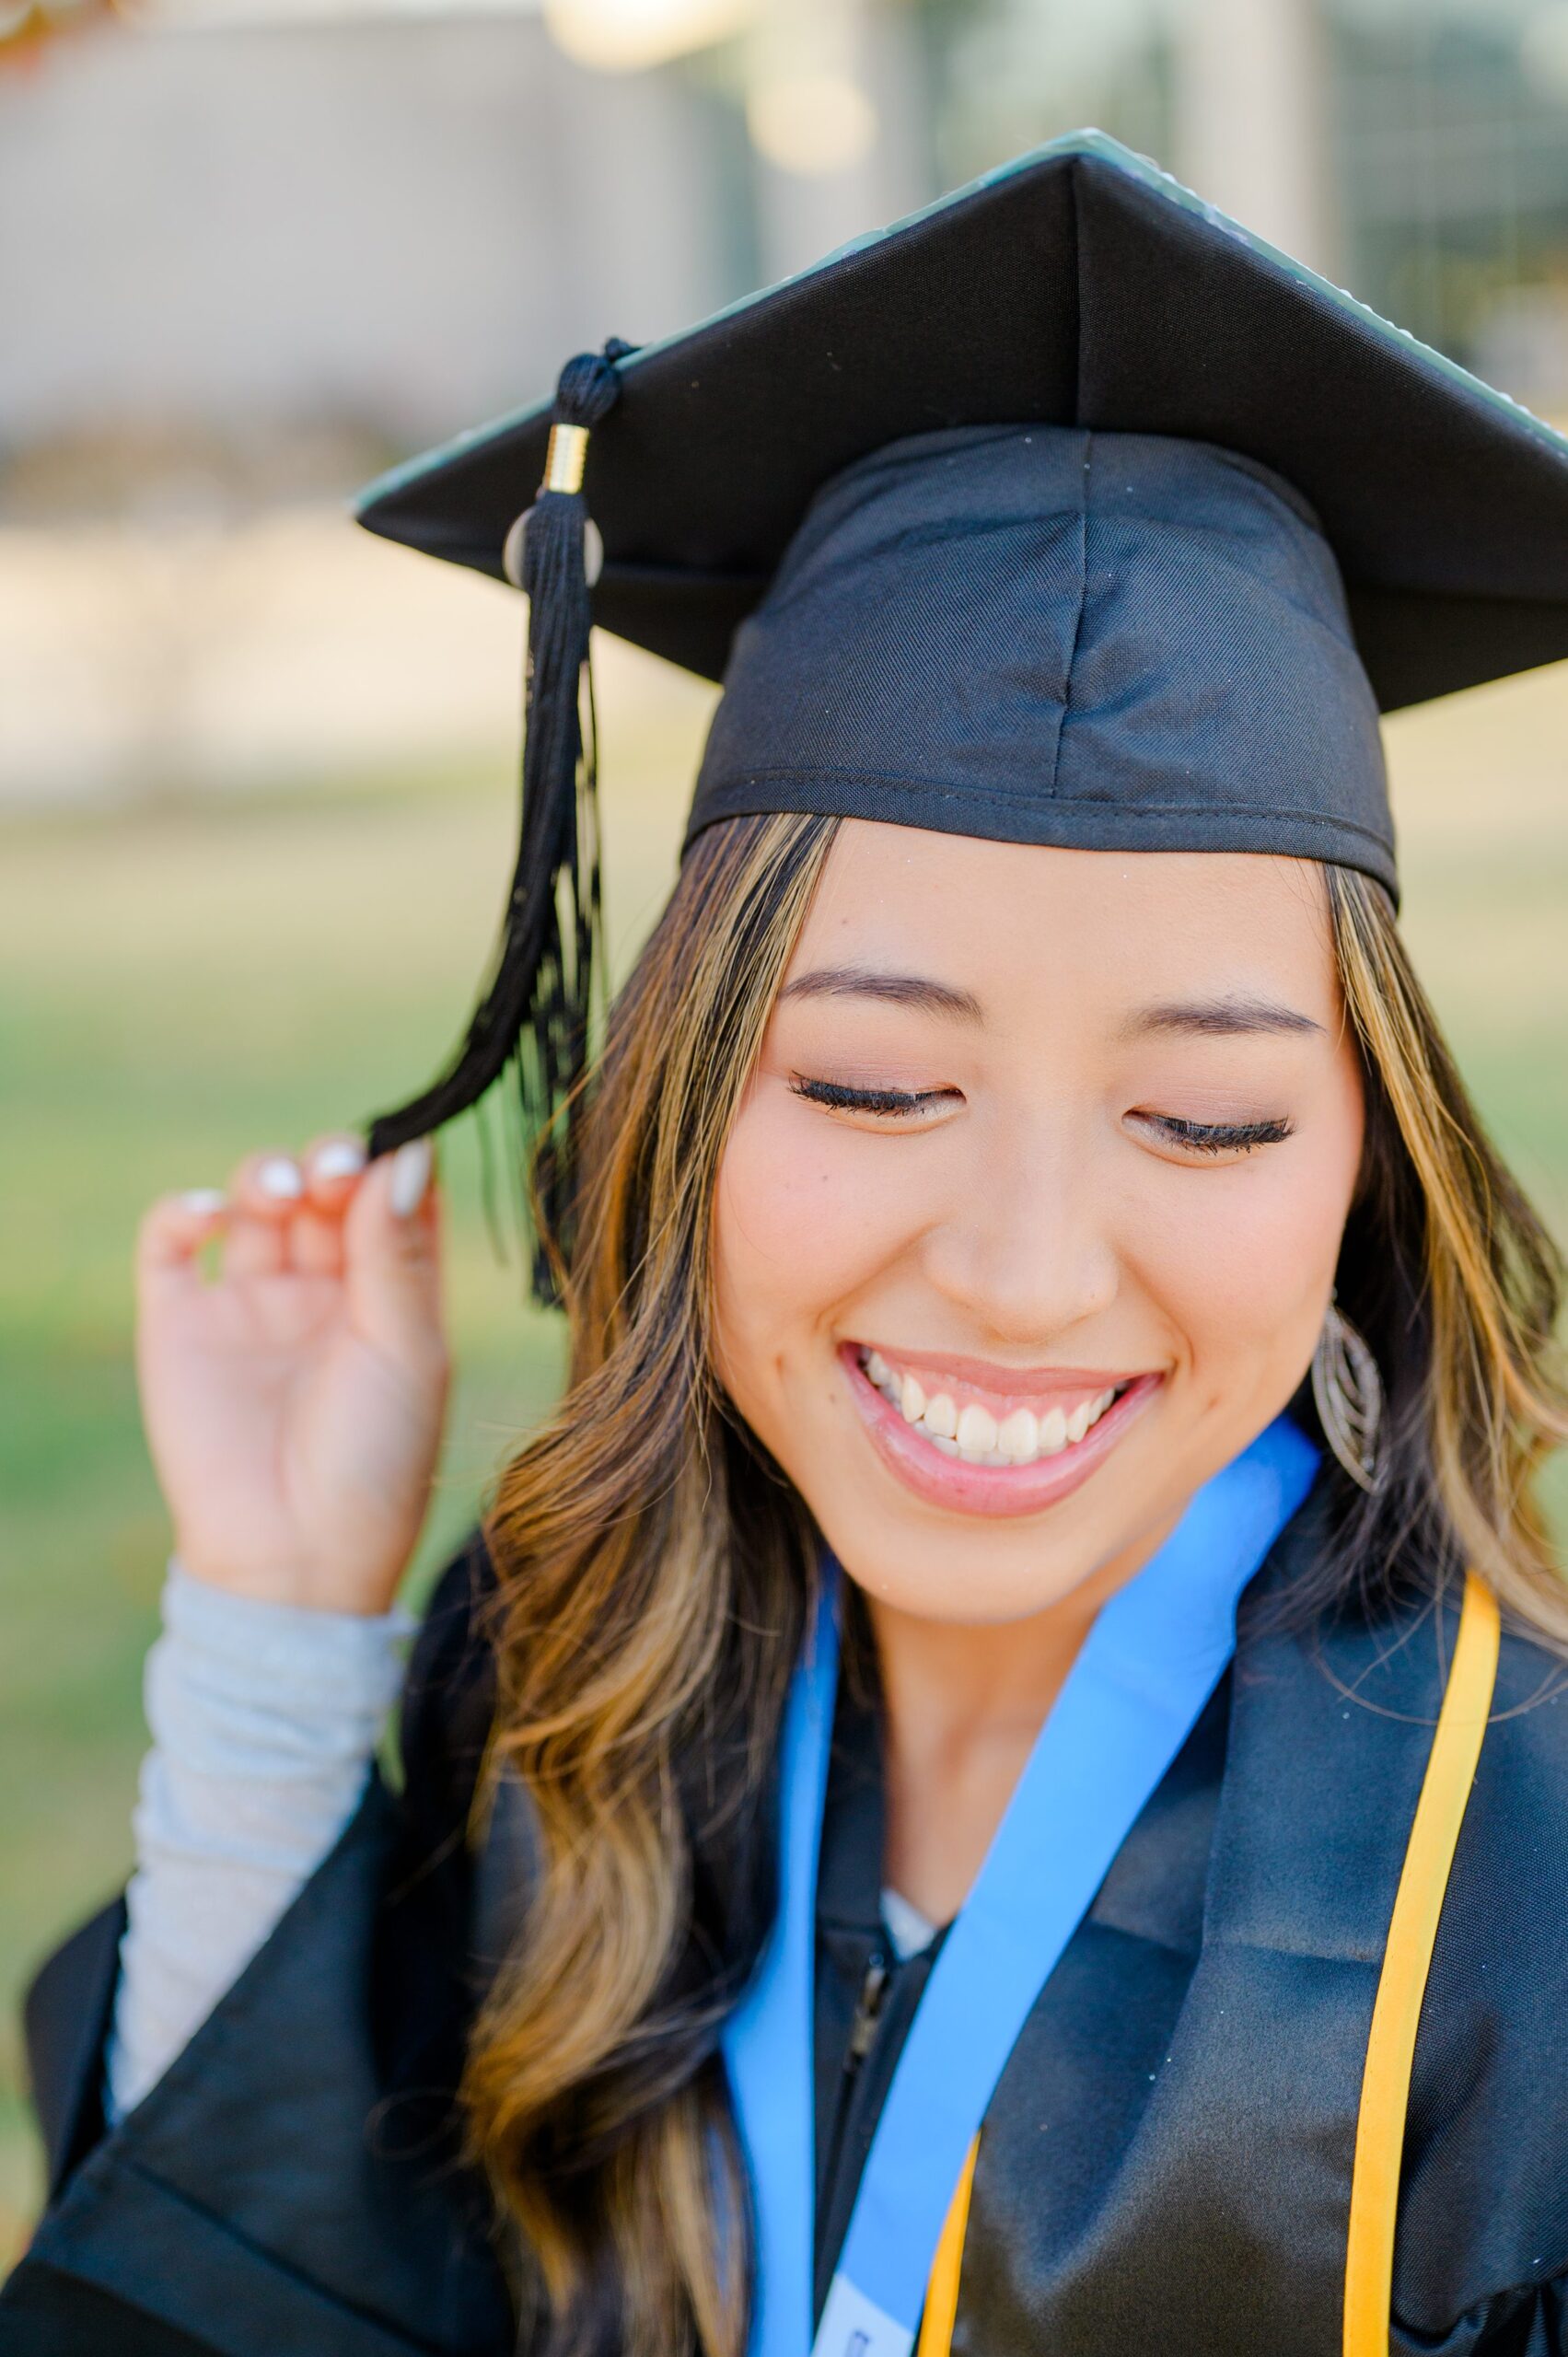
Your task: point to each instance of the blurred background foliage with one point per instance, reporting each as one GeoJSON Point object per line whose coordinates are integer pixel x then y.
{"type": "Point", "coordinates": [255, 797]}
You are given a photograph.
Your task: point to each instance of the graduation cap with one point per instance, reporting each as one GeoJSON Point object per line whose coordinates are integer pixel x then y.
{"type": "Point", "coordinates": [1065, 511]}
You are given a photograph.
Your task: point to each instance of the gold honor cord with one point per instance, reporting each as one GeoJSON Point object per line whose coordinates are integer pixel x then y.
{"type": "Point", "coordinates": [942, 2291]}
{"type": "Point", "coordinates": [1390, 2048]}
{"type": "Point", "coordinates": [1412, 1930]}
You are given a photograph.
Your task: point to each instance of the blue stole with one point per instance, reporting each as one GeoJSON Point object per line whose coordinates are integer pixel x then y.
{"type": "Point", "coordinates": [1154, 1656]}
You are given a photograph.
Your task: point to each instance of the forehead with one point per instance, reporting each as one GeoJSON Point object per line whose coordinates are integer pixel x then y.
{"type": "Point", "coordinates": [994, 918]}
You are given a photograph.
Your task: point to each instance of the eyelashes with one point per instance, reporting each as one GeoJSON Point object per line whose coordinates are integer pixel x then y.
{"type": "Point", "coordinates": [894, 1104]}
{"type": "Point", "coordinates": [1219, 1137]}
{"type": "Point", "coordinates": [904, 1105]}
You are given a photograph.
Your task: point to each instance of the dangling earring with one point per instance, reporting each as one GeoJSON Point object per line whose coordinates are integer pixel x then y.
{"type": "Point", "coordinates": [1348, 1391]}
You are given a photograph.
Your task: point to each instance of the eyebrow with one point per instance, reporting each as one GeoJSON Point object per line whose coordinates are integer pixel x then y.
{"type": "Point", "coordinates": [918, 991]}
{"type": "Point", "coordinates": [1217, 1019]}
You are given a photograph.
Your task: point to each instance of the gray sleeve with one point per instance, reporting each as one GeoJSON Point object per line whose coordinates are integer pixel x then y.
{"type": "Point", "coordinates": [264, 1718]}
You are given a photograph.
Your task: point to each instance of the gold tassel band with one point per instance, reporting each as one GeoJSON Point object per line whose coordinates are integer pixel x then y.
{"type": "Point", "coordinates": [565, 457]}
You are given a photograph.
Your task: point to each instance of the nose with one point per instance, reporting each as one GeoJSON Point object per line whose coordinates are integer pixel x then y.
{"type": "Point", "coordinates": [1025, 1247]}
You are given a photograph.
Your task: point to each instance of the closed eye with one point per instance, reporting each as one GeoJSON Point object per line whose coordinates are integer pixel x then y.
{"type": "Point", "coordinates": [885, 1104]}
{"type": "Point", "coordinates": [1215, 1137]}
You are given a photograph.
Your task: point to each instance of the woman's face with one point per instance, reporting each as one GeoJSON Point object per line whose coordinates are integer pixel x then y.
{"type": "Point", "coordinates": [1029, 1215]}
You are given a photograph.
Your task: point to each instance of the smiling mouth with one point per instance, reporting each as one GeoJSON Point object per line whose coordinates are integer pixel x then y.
{"type": "Point", "coordinates": [959, 1426]}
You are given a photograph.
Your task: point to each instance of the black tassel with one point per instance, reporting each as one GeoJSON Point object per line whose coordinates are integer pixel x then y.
{"type": "Point", "coordinates": [535, 1008]}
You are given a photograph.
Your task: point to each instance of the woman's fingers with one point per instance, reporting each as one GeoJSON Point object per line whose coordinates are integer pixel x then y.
{"type": "Point", "coordinates": [281, 1211]}
{"type": "Point", "coordinates": [170, 1237]}
{"type": "Point", "coordinates": [275, 1408]}
{"type": "Point", "coordinates": [331, 1164]}
{"type": "Point", "coordinates": [265, 1191]}
{"type": "Point", "coordinates": [332, 1167]}
{"type": "Point", "coordinates": [391, 1240]}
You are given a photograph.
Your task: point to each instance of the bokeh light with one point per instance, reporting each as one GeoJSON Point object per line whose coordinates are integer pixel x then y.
{"type": "Point", "coordinates": [811, 123]}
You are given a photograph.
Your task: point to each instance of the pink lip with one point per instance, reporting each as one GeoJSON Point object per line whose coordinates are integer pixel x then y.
{"type": "Point", "coordinates": [993, 1489]}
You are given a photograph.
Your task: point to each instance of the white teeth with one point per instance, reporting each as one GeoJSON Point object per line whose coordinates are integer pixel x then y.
{"type": "Point", "coordinates": [973, 1433]}
{"type": "Point", "coordinates": [1017, 1436]}
{"type": "Point", "coordinates": [941, 1417]}
{"type": "Point", "coordinates": [1053, 1434]}
{"type": "Point", "coordinates": [977, 1429]}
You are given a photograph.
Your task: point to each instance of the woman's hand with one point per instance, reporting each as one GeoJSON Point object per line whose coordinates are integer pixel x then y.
{"type": "Point", "coordinates": [294, 1405]}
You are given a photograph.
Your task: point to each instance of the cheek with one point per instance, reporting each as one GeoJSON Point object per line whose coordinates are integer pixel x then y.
{"type": "Point", "coordinates": [1243, 1260]}
{"type": "Point", "coordinates": [804, 1215]}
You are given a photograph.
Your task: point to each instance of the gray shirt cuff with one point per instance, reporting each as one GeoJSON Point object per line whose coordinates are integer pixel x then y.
{"type": "Point", "coordinates": [264, 1718]}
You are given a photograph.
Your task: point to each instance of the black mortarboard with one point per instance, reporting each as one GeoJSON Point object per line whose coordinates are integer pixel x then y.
{"type": "Point", "coordinates": [1064, 512]}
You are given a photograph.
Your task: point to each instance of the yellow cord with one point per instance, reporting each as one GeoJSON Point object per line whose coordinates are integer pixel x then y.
{"type": "Point", "coordinates": [1413, 1930]}
{"type": "Point", "coordinates": [1390, 2048]}
{"type": "Point", "coordinates": [942, 2291]}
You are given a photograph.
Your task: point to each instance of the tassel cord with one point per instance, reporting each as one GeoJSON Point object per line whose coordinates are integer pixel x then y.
{"type": "Point", "coordinates": [536, 1003]}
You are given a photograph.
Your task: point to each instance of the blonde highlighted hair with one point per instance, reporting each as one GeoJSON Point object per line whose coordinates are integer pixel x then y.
{"type": "Point", "coordinates": [655, 1568]}
{"type": "Point", "coordinates": [1456, 1286]}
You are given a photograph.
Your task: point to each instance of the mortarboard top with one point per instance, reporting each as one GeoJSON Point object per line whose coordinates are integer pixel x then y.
{"type": "Point", "coordinates": [1081, 286]}
{"type": "Point", "coordinates": [1063, 512]}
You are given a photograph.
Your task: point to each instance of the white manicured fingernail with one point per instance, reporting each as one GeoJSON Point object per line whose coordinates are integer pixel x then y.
{"type": "Point", "coordinates": [339, 1160]}
{"type": "Point", "coordinates": [280, 1178]}
{"type": "Point", "coordinates": [410, 1173]}
{"type": "Point", "coordinates": [202, 1201]}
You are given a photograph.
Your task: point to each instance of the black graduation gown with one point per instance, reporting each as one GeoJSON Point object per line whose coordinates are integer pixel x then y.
{"type": "Point", "coordinates": [1166, 2163]}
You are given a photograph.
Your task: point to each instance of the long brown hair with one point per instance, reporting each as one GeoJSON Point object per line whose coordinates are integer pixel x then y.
{"type": "Point", "coordinates": [1452, 1279]}
{"type": "Point", "coordinates": [655, 1568]}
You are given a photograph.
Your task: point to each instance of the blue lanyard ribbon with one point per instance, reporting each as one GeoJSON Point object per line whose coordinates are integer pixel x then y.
{"type": "Point", "coordinates": [1154, 1656]}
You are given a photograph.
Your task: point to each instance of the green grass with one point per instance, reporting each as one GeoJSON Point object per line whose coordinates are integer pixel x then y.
{"type": "Point", "coordinates": [177, 987]}
{"type": "Point", "coordinates": [182, 985]}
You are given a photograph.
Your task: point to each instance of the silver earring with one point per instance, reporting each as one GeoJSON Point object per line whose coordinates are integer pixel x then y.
{"type": "Point", "coordinates": [1348, 1393]}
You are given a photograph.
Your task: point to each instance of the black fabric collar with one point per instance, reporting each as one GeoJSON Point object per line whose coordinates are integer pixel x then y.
{"type": "Point", "coordinates": [849, 1873]}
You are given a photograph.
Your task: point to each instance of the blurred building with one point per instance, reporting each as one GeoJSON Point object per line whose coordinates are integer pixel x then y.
{"type": "Point", "coordinates": [382, 226]}
{"type": "Point", "coordinates": [272, 222]}
{"type": "Point", "coordinates": [252, 249]}
{"type": "Point", "coordinates": [1417, 150]}
{"type": "Point", "coordinates": [232, 218]}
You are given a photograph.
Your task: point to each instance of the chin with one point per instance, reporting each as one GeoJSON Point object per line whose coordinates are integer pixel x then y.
{"type": "Point", "coordinates": [916, 1562]}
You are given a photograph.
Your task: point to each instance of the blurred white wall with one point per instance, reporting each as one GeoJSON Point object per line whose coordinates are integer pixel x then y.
{"type": "Point", "coordinates": [218, 244]}
{"type": "Point", "coordinates": [840, 112]}
{"type": "Point", "coordinates": [1249, 129]}
{"type": "Point", "coordinates": [404, 225]}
